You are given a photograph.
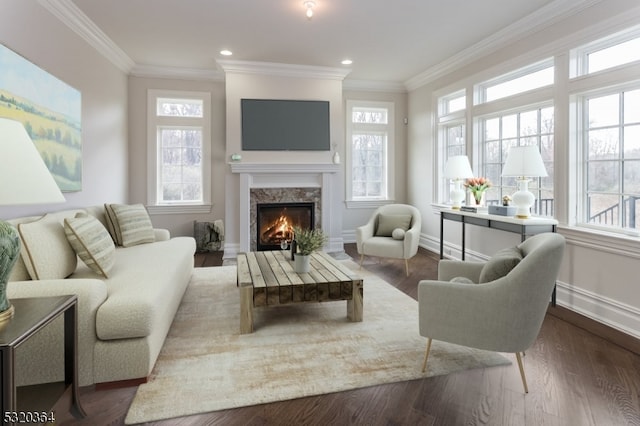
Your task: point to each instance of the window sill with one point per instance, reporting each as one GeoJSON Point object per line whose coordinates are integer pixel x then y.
{"type": "Point", "coordinates": [179, 209]}
{"type": "Point", "coordinates": [367, 204]}
{"type": "Point", "coordinates": [609, 242]}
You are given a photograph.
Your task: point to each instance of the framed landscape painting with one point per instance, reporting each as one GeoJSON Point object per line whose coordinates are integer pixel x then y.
{"type": "Point", "coordinates": [50, 111]}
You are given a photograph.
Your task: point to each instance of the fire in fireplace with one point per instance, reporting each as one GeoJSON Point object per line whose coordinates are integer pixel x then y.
{"type": "Point", "coordinates": [275, 222]}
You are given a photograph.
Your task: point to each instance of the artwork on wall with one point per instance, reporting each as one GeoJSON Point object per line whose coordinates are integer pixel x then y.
{"type": "Point", "coordinates": [50, 111]}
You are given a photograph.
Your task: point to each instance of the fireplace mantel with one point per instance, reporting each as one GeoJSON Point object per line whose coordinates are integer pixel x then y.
{"type": "Point", "coordinates": [289, 175]}
{"type": "Point", "coordinates": [284, 167]}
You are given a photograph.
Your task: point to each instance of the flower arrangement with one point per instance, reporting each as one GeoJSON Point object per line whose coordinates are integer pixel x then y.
{"type": "Point", "coordinates": [477, 186]}
{"type": "Point", "coordinates": [308, 240]}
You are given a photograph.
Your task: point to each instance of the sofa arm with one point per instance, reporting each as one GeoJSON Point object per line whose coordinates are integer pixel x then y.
{"type": "Point", "coordinates": [38, 365]}
{"type": "Point", "coordinates": [161, 234]}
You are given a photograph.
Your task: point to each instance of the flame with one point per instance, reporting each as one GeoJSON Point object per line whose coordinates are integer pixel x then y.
{"type": "Point", "coordinates": [279, 230]}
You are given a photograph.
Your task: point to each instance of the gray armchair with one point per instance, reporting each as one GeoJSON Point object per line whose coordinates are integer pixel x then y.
{"type": "Point", "coordinates": [392, 231]}
{"type": "Point", "coordinates": [504, 312]}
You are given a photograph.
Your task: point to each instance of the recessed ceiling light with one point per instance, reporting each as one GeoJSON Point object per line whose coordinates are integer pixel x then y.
{"type": "Point", "coordinates": [347, 62]}
{"type": "Point", "coordinates": [226, 52]}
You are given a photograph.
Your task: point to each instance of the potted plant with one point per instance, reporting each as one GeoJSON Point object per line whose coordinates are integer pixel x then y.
{"type": "Point", "coordinates": [306, 242]}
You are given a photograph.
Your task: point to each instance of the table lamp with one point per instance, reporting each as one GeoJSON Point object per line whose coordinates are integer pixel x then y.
{"type": "Point", "coordinates": [24, 179]}
{"type": "Point", "coordinates": [457, 169]}
{"type": "Point", "coordinates": [523, 162]}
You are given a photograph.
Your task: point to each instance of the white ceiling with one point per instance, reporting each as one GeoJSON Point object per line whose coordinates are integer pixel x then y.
{"type": "Point", "coordinates": [387, 41]}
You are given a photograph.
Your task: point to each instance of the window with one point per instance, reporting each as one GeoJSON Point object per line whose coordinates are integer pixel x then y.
{"type": "Point", "coordinates": [528, 78]}
{"type": "Point", "coordinates": [451, 134]}
{"type": "Point", "coordinates": [610, 52]}
{"type": "Point", "coordinates": [179, 151]}
{"type": "Point", "coordinates": [530, 126]}
{"type": "Point", "coordinates": [370, 132]}
{"type": "Point", "coordinates": [611, 155]}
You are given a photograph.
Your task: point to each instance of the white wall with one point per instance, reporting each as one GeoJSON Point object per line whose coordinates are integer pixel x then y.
{"type": "Point", "coordinates": [357, 216]}
{"type": "Point", "coordinates": [31, 31]}
{"type": "Point", "coordinates": [177, 224]}
{"type": "Point", "coordinates": [599, 274]}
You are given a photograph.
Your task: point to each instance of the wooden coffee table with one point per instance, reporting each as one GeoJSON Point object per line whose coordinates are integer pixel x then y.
{"type": "Point", "coordinates": [267, 278]}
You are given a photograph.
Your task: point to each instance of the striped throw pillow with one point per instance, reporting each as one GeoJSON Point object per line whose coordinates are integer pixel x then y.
{"type": "Point", "coordinates": [134, 223]}
{"type": "Point", "coordinates": [91, 241]}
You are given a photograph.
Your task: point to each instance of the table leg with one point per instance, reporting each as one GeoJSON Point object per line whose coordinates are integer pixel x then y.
{"type": "Point", "coordinates": [71, 357]}
{"type": "Point", "coordinates": [354, 306]}
{"type": "Point", "coordinates": [441, 236]}
{"type": "Point", "coordinates": [463, 239]}
{"type": "Point", "coordinates": [246, 309]}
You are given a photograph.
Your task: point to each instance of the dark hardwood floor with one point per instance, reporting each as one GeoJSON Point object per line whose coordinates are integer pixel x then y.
{"type": "Point", "coordinates": [575, 378]}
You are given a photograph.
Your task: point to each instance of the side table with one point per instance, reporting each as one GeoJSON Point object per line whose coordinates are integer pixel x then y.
{"type": "Point", "coordinates": [34, 403]}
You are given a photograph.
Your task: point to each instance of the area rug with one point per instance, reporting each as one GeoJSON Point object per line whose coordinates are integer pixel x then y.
{"type": "Point", "coordinates": [295, 351]}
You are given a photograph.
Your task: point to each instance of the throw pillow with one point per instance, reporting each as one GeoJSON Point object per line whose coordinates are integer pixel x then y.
{"type": "Point", "coordinates": [45, 250]}
{"type": "Point", "coordinates": [388, 222]}
{"type": "Point", "coordinates": [461, 280]}
{"type": "Point", "coordinates": [134, 223]}
{"type": "Point", "coordinates": [398, 234]}
{"type": "Point", "coordinates": [91, 241]}
{"type": "Point", "coordinates": [500, 264]}
{"type": "Point", "coordinates": [112, 224]}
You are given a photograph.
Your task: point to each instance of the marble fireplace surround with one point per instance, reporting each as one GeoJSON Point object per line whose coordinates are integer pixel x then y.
{"type": "Point", "coordinates": [287, 183]}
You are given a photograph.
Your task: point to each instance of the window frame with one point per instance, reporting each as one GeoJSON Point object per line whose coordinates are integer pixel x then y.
{"type": "Point", "coordinates": [582, 128]}
{"type": "Point", "coordinates": [502, 186]}
{"type": "Point", "coordinates": [388, 161]}
{"type": "Point", "coordinates": [480, 89]}
{"type": "Point", "coordinates": [446, 121]}
{"type": "Point", "coordinates": [155, 123]}
{"type": "Point", "coordinates": [579, 56]}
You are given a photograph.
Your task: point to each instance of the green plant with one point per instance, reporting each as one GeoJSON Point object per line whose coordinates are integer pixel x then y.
{"type": "Point", "coordinates": [308, 240]}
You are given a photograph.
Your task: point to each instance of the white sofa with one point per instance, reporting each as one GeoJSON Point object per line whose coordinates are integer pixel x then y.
{"type": "Point", "coordinates": [122, 320]}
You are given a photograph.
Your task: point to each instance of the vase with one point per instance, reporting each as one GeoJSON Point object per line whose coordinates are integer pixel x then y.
{"type": "Point", "coordinates": [301, 263]}
{"type": "Point", "coordinates": [477, 201]}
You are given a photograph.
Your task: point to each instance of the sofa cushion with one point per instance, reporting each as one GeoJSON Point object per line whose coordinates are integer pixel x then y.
{"type": "Point", "coordinates": [500, 264]}
{"type": "Point", "coordinates": [91, 241]}
{"type": "Point", "coordinates": [45, 250]}
{"type": "Point", "coordinates": [388, 222]}
{"type": "Point", "coordinates": [133, 223]}
{"type": "Point", "coordinates": [145, 281]}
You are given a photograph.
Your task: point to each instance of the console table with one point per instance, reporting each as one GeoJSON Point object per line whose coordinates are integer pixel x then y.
{"type": "Point", "coordinates": [523, 227]}
{"type": "Point", "coordinates": [35, 403]}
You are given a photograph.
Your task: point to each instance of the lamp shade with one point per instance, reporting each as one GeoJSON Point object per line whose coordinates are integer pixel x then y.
{"type": "Point", "coordinates": [524, 161]}
{"type": "Point", "coordinates": [24, 175]}
{"type": "Point", "coordinates": [458, 167]}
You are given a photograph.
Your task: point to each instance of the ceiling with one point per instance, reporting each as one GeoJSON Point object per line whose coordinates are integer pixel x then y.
{"type": "Point", "coordinates": [387, 41]}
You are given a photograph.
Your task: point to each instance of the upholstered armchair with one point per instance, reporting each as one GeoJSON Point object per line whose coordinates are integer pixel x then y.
{"type": "Point", "coordinates": [498, 305]}
{"type": "Point", "coordinates": [392, 231]}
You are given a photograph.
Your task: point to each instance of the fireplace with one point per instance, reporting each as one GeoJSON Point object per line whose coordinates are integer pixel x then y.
{"type": "Point", "coordinates": [275, 222]}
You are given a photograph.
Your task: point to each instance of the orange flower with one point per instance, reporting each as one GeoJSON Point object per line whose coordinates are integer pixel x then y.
{"type": "Point", "coordinates": [480, 184]}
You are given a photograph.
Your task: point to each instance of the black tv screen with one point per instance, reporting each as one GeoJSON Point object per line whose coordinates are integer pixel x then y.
{"type": "Point", "coordinates": [285, 125]}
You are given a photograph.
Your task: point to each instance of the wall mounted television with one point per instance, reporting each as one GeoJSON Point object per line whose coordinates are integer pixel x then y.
{"type": "Point", "coordinates": [285, 125]}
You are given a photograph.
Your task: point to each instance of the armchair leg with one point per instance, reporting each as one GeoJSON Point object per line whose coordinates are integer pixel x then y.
{"type": "Point", "coordinates": [524, 379]}
{"type": "Point", "coordinates": [361, 259]}
{"type": "Point", "coordinates": [426, 355]}
{"type": "Point", "coordinates": [406, 266]}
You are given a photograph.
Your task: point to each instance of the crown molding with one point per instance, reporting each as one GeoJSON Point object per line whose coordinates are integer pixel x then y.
{"type": "Point", "coordinates": [374, 86]}
{"type": "Point", "coordinates": [152, 71]}
{"type": "Point", "coordinates": [69, 14]}
{"type": "Point", "coordinates": [542, 18]}
{"type": "Point", "coordinates": [282, 70]}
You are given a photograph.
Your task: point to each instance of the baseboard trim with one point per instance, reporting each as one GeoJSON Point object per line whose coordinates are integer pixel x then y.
{"type": "Point", "coordinates": [121, 384]}
{"type": "Point", "coordinates": [609, 334]}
